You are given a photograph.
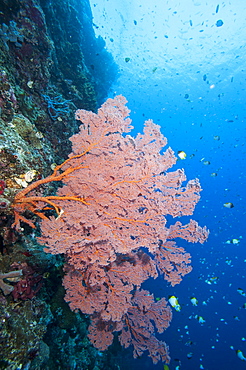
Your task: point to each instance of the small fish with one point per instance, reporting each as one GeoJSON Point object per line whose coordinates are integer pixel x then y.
{"type": "Point", "coordinates": [21, 182]}
{"type": "Point", "coordinates": [219, 23]}
{"type": "Point", "coordinates": [240, 355]}
{"type": "Point", "coordinates": [216, 137]}
{"type": "Point", "coordinates": [233, 241]}
{"type": "Point", "coordinates": [214, 279]}
{"type": "Point", "coordinates": [174, 303]}
{"type": "Point", "coordinates": [240, 291]}
{"type": "Point", "coordinates": [228, 205]}
{"type": "Point", "coordinates": [200, 319]}
{"type": "Point", "coordinates": [30, 84]}
{"type": "Point", "coordinates": [194, 301]}
{"type": "Point", "coordinates": [181, 154]}
{"type": "Point", "coordinates": [30, 175]}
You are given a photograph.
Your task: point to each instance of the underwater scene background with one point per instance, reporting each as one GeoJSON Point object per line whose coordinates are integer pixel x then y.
{"type": "Point", "coordinates": [179, 63]}
{"type": "Point", "coordinates": [186, 71]}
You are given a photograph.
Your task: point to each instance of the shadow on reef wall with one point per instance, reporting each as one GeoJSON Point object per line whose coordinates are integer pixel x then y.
{"type": "Point", "coordinates": [82, 66]}
{"type": "Point", "coordinates": [54, 64]}
{"type": "Point", "coordinates": [51, 63]}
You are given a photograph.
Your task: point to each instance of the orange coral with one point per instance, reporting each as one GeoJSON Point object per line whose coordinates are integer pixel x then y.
{"type": "Point", "coordinates": [22, 202]}
{"type": "Point", "coordinates": [116, 193]}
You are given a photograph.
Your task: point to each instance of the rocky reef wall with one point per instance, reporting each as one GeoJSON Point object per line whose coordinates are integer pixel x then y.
{"type": "Point", "coordinates": [51, 63]}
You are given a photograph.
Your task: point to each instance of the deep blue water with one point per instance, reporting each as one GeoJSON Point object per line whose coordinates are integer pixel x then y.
{"type": "Point", "coordinates": [211, 71]}
{"type": "Point", "coordinates": [191, 127]}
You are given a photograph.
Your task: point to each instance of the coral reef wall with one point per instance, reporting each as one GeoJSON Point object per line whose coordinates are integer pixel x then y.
{"type": "Point", "coordinates": [51, 63]}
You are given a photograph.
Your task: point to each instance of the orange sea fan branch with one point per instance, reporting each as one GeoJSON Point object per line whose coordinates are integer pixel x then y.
{"type": "Point", "coordinates": [23, 202]}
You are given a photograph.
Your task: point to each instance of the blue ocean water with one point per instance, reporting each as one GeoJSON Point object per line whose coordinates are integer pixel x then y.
{"type": "Point", "coordinates": [182, 64]}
